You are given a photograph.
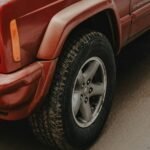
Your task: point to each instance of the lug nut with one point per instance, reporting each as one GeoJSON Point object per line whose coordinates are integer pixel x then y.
{"type": "Point", "coordinates": [86, 100]}
{"type": "Point", "coordinates": [88, 82]}
{"type": "Point", "coordinates": [83, 85]}
{"type": "Point", "coordinates": [91, 90]}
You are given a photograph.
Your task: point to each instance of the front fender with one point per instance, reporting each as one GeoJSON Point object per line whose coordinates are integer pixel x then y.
{"type": "Point", "coordinates": [66, 20]}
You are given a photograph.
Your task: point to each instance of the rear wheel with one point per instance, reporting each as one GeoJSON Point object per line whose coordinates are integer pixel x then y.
{"type": "Point", "coordinates": [79, 101]}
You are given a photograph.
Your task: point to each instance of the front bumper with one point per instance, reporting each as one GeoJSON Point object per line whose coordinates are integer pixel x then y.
{"type": "Point", "coordinates": [22, 91]}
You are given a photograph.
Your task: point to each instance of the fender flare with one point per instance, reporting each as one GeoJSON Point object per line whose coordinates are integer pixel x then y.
{"type": "Point", "coordinates": [66, 20]}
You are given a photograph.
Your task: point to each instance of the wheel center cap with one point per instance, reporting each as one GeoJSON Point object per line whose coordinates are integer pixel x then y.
{"type": "Point", "coordinates": [86, 89]}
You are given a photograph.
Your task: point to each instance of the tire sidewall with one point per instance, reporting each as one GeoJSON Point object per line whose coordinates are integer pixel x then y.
{"type": "Point", "coordinates": [75, 135]}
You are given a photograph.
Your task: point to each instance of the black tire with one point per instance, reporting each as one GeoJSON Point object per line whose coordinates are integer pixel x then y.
{"type": "Point", "coordinates": [53, 124]}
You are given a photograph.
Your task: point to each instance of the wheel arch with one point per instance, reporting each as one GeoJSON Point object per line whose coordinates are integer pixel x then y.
{"type": "Point", "coordinates": [64, 24]}
{"type": "Point", "coordinates": [108, 27]}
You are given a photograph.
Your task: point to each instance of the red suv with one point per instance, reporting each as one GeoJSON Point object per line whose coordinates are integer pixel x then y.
{"type": "Point", "coordinates": [57, 63]}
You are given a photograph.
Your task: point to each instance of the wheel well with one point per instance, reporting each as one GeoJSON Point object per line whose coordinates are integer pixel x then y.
{"type": "Point", "coordinates": [105, 23]}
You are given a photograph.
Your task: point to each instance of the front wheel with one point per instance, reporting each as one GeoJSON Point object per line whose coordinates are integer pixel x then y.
{"type": "Point", "coordinates": [79, 101]}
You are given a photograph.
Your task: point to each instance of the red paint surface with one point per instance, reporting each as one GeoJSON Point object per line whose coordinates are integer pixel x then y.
{"type": "Point", "coordinates": [43, 28]}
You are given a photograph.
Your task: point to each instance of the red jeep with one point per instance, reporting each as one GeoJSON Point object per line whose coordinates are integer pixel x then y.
{"type": "Point", "coordinates": [57, 63]}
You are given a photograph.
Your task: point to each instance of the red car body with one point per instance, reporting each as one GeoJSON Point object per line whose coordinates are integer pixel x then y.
{"type": "Point", "coordinates": [42, 28]}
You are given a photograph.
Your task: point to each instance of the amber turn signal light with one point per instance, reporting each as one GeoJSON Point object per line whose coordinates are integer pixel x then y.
{"type": "Point", "coordinates": [15, 41]}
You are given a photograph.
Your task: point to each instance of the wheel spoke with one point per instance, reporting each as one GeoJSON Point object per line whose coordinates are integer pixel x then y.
{"type": "Point", "coordinates": [76, 102]}
{"type": "Point", "coordinates": [80, 77]}
{"type": "Point", "coordinates": [98, 89]}
{"type": "Point", "coordinates": [91, 70]}
{"type": "Point", "coordinates": [86, 111]}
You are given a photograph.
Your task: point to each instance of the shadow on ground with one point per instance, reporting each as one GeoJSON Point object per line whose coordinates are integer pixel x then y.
{"type": "Point", "coordinates": [18, 136]}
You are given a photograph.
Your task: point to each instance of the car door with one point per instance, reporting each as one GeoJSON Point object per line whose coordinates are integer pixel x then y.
{"type": "Point", "coordinates": [123, 8]}
{"type": "Point", "coordinates": [140, 10]}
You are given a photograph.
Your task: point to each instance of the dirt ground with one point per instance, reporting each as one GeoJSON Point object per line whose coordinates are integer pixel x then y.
{"type": "Point", "coordinates": [128, 126]}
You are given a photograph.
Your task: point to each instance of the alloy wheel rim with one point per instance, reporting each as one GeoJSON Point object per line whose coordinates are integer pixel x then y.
{"type": "Point", "coordinates": [89, 92]}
